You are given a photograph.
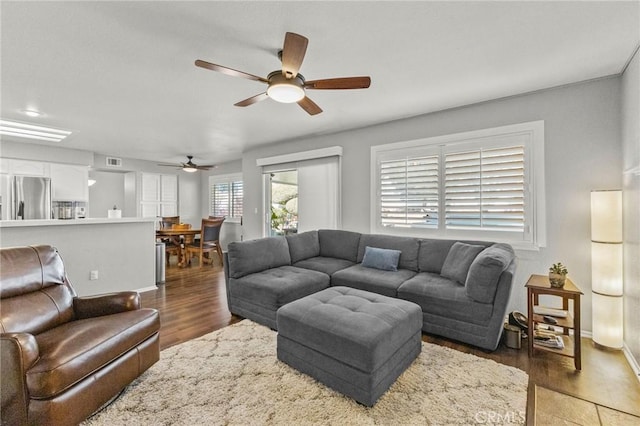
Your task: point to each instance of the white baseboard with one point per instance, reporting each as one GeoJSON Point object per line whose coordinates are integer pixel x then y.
{"type": "Point", "coordinates": [631, 360]}
{"type": "Point", "coordinates": [142, 290]}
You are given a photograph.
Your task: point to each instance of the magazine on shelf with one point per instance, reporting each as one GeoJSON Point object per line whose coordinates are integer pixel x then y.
{"type": "Point", "coordinates": [542, 310]}
{"type": "Point", "coordinates": [548, 339]}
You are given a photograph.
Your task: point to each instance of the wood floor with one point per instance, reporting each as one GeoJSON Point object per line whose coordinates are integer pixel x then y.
{"type": "Point", "coordinates": [193, 302]}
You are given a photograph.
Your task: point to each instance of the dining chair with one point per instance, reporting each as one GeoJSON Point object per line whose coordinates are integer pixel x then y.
{"type": "Point", "coordinates": [208, 242]}
{"type": "Point", "coordinates": [171, 247]}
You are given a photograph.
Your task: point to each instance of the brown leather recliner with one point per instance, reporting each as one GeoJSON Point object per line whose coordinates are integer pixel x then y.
{"type": "Point", "coordinates": [63, 356]}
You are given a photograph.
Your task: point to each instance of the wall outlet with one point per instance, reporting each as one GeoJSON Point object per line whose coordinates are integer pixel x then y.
{"type": "Point", "coordinates": [93, 275]}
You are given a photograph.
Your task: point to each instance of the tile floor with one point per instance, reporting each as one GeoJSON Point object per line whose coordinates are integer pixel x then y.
{"type": "Point", "coordinates": [568, 410]}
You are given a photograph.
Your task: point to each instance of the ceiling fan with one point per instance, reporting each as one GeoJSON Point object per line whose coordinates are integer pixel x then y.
{"type": "Point", "coordinates": [287, 85]}
{"type": "Point", "coordinates": [189, 166]}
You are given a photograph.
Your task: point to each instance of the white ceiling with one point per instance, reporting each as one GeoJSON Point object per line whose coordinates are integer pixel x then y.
{"type": "Point", "coordinates": [121, 75]}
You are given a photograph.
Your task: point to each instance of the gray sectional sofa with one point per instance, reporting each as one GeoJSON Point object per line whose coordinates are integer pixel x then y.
{"type": "Point", "coordinates": [462, 287]}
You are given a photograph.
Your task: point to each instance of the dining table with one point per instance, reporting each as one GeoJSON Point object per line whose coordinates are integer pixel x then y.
{"type": "Point", "coordinates": [180, 237]}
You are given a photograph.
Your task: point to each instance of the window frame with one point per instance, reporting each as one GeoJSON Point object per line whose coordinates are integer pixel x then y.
{"type": "Point", "coordinates": [228, 179]}
{"type": "Point", "coordinates": [532, 136]}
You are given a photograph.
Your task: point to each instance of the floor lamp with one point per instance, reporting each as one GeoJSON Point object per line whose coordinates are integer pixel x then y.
{"type": "Point", "coordinates": [606, 268]}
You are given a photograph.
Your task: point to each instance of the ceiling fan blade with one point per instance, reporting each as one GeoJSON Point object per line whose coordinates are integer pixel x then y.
{"type": "Point", "coordinates": [339, 83]}
{"type": "Point", "coordinates": [205, 167]}
{"type": "Point", "coordinates": [295, 46]}
{"type": "Point", "coordinates": [169, 165]}
{"type": "Point", "coordinates": [252, 100]}
{"type": "Point", "coordinates": [229, 71]}
{"type": "Point", "coordinates": [308, 105]}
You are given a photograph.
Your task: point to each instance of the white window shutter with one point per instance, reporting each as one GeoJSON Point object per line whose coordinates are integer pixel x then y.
{"type": "Point", "coordinates": [485, 189]}
{"type": "Point", "coordinates": [409, 192]}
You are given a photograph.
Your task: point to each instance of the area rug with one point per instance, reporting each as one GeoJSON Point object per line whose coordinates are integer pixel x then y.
{"type": "Point", "coordinates": [233, 377]}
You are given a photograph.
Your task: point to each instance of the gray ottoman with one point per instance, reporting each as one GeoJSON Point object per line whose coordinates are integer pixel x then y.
{"type": "Point", "coordinates": [353, 341]}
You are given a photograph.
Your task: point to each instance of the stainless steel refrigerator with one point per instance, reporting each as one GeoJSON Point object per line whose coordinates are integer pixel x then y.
{"type": "Point", "coordinates": [31, 198]}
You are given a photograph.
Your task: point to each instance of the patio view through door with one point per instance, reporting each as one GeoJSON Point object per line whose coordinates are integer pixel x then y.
{"type": "Point", "coordinates": [282, 203]}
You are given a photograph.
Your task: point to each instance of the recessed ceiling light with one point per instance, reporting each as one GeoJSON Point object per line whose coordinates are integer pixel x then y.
{"type": "Point", "coordinates": [29, 131]}
{"type": "Point", "coordinates": [32, 112]}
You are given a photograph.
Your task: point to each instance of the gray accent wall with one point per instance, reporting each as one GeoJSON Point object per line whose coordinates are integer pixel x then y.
{"type": "Point", "coordinates": [631, 204]}
{"type": "Point", "coordinates": [583, 151]}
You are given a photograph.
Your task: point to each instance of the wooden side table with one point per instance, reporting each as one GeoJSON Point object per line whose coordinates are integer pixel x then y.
{"type": "Point", "coordinates": [538, 285]}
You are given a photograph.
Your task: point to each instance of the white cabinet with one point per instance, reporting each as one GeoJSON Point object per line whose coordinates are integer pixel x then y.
{"type": "Point", "coordinates": [29, 168]}
{"type": "Point", "coordinates": [4, 166]}
{"type": "Point", "coordinates": [69, 182]}
{"type": "Point", "coordinates": [158, 195]}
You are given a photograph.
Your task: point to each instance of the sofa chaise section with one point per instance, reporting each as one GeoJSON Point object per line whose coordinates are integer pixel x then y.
{"type": "Point", "coordinates": [261, 279]}
{"type": "Point", "coordinates": [471, 311]}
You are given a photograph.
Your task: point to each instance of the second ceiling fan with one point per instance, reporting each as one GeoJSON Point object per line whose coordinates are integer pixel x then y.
{"type": "Point", "coordinates": [287, 85]}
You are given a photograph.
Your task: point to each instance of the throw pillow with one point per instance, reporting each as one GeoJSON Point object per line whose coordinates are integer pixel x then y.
{"type": "Point", "coordinates": [484, 272]}
{"type": "Point", "coordinates": [456, 265]}
{"type": "Point", "coordinates": [383, 259]}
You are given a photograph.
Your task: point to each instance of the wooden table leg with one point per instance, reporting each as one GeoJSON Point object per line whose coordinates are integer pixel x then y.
{"type": "Point", "coordinates": [577, 352]}
{"type": "Point", "coordinates": [530, 322]}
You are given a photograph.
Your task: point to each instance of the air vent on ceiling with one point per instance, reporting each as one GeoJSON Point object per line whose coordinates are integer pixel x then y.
{"type": "Point", "coordinates": [114, 162]}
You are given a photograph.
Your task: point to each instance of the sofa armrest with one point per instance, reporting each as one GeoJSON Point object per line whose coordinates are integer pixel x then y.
{"type": "Point", "coordinates": [106, 304]}
{"type": "Point", "coordinates": [19, 352]}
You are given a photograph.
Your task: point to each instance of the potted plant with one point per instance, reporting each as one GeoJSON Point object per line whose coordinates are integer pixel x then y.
{"type": "Point", "coordinates": [557, 275]}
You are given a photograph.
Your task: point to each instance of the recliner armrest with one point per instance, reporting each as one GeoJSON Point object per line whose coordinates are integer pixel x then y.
{"type": "Point", "coordinates": [19, 352]}
{"type": "Point", "coordinates": [106, 304]}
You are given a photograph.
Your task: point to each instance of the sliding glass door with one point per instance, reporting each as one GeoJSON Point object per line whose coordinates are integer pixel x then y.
{"type": "Point", "coordinates": [302, 196]}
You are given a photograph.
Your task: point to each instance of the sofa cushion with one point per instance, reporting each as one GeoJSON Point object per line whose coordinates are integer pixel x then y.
{"type": "Point", "coordinates": [374, 280]}
{"type": "Point", "coordinates": [247, 257]}
{"type": "Point", "coordinates": [77, 349]}
{"type": "Point", "coordinates": [485, 270]}
{"type": "Point", "coordinates": [433, 253]}
{"type": "Point", "coordinates": [275, 287]}
{"type": "Point", "coordinates": [383, 259]}
{"type": "Point", "coordinates": [339, 244]}
{"type": "Point", "coordinates": [328, 265]}
{"type": "Point", "coordinates": [406, 245]}
{"type": "Point", "coordinates": [443, 297]}
{"type": "Point", "coordinates": [303, 246]}
{"type": "Point", "coordinates": [459, 259]}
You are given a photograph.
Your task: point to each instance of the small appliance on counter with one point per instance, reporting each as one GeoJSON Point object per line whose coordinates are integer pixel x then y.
{"type": "Point", "coordinates": [80, 209]}
{"type": "Point", "coordinates": [69, 210]}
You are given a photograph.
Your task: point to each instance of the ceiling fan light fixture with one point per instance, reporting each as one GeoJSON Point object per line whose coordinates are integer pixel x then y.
{"type": "Point", "coordinates": [285, 90]}
{"type": "Point", "coordinates": [189, 169]}
{"type": "Point", "coordinates": [285, 93]}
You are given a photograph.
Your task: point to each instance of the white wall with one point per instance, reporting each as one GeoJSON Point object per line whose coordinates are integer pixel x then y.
{"type": "Point", "coordinates": [631, 202]}
{"type": "Point", "coordinates": [583, 151]}
{"type": "Point", "coordinates": [108, 191]}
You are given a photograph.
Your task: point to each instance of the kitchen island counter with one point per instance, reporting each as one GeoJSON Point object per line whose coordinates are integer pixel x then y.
{"type": "Point", "coordinates": [61, 222]}
{"type": "Point", "coordinates": [122, 250]}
